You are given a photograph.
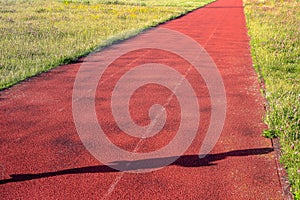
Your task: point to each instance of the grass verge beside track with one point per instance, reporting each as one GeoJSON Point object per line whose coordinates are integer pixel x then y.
{"type": "Point", "coordinates": [37, 35]}
{"type": "Point", "coordinates": [274, 27]}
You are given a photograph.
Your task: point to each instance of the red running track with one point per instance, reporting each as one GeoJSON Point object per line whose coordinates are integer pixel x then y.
{"type": "Point", "coordinates": [42, 156]}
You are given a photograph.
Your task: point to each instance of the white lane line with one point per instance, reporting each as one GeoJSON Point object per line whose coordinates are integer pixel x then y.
{"type": "Point", "coordinates": [120, 176]}
{"type": "Point", "coordinates": [113, 185]}
{"type": "Point", "coordinates": [138, 145]}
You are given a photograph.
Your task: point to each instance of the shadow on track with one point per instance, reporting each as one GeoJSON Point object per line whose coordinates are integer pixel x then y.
{"type": "Point", "coordinates": [184, 161]}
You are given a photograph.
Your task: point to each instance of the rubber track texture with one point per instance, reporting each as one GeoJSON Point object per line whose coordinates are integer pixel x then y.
{"type": "Point", "coordinates": [42, 156]}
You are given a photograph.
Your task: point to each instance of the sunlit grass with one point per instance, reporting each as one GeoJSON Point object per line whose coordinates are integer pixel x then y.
{"type": "Point", "coordinates": [37, 35]}
{"type": "Point", "coordinates": [274, 27]}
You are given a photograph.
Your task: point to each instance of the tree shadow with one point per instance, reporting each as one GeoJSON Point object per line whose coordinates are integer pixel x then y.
{"type": "Point", "coordinates": [183, 161]}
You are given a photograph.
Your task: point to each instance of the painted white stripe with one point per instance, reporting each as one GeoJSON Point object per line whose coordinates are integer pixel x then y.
{"type": "Point", "coordinates": [120, 176]}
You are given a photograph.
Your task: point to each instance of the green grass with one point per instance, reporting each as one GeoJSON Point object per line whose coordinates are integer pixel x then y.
{"type": "Point", "coordinates": [37, 35]}
{"type": "Point", "coordinates": [169, 3]}
{"type": "Point", "coordinates": [274, 27]}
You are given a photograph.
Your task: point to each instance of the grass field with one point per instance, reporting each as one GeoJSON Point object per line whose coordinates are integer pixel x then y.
{"type": "Point", "coordinates": [37, 35]}
{"type": "Point", "coordinates": [274, 27]}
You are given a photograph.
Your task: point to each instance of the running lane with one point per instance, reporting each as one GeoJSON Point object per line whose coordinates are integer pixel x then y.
{"type": "Point", "coordinates": [42, 156]}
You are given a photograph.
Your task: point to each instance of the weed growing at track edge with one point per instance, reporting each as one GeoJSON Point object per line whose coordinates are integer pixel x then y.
{"type": "Point", "coordinates": [274, 27]}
